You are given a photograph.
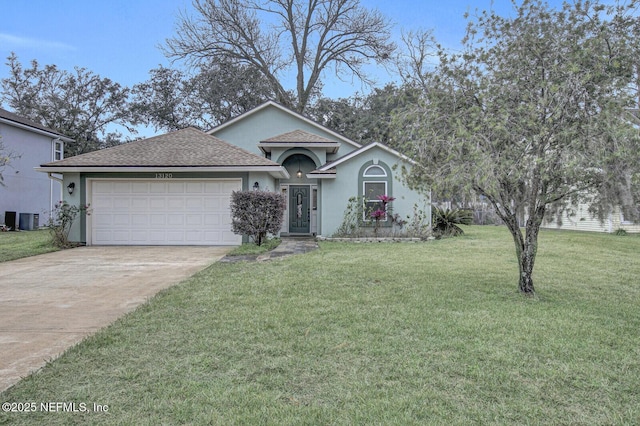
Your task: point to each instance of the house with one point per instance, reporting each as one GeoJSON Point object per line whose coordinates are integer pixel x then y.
{"type": "Point", "coordinates": [583, 220]}
{"type": "Point", "coordinates": [580, 219]}
{"type": "Point", "coordinates": [27, 194]}
{"type": "Point", "coordinates": [174, 189]}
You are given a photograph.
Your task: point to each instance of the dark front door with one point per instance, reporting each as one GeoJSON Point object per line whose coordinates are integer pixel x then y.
{"type": "Point", "coordinates": [299, 210]}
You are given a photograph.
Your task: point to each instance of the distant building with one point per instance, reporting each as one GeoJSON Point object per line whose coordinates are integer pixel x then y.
{"type": "Point", "coordinates": [25, 191]}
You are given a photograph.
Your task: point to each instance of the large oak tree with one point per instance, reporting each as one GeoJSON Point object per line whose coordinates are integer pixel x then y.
{"type": "Point", "coordinates": [218, 91]}
{"type": "Point", "coordinates": [281, 39]}
{"type": "Point", "coordinates": [533, 114]}
{"type": "Point", "coordinates": [79, 104]}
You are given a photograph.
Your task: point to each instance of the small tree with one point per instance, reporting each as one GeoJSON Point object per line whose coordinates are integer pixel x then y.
{"type": "Point", "coordinates": [257, 213]}
{"type": "Point", "coordinates": [532, 115]}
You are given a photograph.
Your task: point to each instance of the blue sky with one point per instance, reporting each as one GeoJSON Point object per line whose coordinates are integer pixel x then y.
{"type": "Point", "coordinates": [119, 39]}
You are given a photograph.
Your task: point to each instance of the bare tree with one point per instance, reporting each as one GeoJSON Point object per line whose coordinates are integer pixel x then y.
{"type": "Point", "coordinates": [280, 38]}
{"type": "Point", "coordinates": [6, 157]}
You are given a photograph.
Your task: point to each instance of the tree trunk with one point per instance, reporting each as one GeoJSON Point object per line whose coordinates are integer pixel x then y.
{"type": "Point", "coordinates": [526, 245]}
{"type": "Point", "coordinates": [526, 249]}
{"type": "Point", "coordinates": [526, 262]}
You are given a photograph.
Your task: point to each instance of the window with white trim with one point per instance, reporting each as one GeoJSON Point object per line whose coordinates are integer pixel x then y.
{"type": "Point", "coordinates": [374, 171]}
{"type": "Point", "coordinates": [372, 190]}
{"type": "Point", "coordinates": [57, 150]}
{"type": "Point", "coordinates": [375, 180]}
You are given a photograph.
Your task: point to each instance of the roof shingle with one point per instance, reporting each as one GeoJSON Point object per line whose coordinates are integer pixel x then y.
{"type": "Point", "coordinates": [298, 136]}
{"type": "Point", "coordinates": [10, 116]}
{"type": "Point", "coordinates": [188, 147]}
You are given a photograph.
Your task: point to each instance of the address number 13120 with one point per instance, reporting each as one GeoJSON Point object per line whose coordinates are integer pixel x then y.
{"type": "Point", "coordinates": [164, 175]}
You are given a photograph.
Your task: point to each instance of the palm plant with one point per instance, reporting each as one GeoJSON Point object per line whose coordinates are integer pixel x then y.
{"type": "Point", "coordinates": [445, 221]}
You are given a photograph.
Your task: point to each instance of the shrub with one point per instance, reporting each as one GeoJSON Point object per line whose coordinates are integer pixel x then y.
{"type": "Point", "coordinates": [61, 220]}
{"type": "Point", "coordinates": [352, 220]}
{"type": "Point", "coordinates": [257, 213]}
{"type": "Point", "coordinates": [354, 226]}
{"type": "Point", "coordinates": [445, 221]}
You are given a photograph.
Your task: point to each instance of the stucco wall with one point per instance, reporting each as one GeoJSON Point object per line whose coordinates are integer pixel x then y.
{"type": "Point", "coordinates": [335, 193]}
{"type": "Point", "coordinates": [270, 122]}
{"type": "Point", "coordinates": [26, 190]}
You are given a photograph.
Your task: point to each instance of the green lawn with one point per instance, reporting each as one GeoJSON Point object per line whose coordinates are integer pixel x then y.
{"type": "Point", "coordinates": [428, 333]}
{"type": "Point", "coordinates": [14, 245]}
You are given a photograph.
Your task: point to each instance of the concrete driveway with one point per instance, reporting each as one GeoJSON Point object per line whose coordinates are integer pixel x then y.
{"type": "Point", "coordinates": [52, 301]}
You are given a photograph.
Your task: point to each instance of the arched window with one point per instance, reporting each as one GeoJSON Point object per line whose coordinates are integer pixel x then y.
{"type": "Point", "coordinates": [374, 171]}
{"type": "Point", "coordinates": [375, 181]}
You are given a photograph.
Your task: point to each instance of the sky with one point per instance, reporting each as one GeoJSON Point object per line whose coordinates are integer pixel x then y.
{"type": "Point", "coordinates": [120, 39]}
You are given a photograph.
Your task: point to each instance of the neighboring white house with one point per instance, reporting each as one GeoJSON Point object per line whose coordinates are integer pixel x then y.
{"type": "Point", "coordinates": [583, 220]}
{"type": "Point", "coordinates": [26, 192]}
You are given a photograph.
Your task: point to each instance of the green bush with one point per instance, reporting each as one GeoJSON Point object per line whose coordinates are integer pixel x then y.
{"type": "Point", "coordinates": [445, 221]}
{"type": "Point", "coordinates": [257, 213]}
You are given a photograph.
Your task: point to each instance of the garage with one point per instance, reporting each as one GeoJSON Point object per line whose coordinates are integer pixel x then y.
{"type": "Point", "coordinates": [171, 189]}
{"type": "Point", "coordinates": [161, 212]}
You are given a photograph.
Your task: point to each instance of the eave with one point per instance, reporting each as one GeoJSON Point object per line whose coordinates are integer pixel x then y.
{"type": "Point", "coordinates": [330, 147]}
{"type": "Point", "coordinates": [275, 171]}
{"type": "Point", "coordinates": [52, 135]}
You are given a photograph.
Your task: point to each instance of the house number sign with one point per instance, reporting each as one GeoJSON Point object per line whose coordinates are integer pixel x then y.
{"type": "Point", "coordinates": [164, 175]}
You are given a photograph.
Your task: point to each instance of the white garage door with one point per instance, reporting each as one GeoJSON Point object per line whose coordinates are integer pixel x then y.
{"type": "Point", "coordinates": [162, 212]}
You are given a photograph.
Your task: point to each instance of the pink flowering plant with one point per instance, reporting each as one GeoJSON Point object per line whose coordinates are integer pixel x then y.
{"type": "Point", "coordinates": [380, 214]}
{"type": "Point", "coordinates": [61, 220]}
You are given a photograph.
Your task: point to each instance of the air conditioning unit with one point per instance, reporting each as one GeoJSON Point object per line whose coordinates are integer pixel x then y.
{"type": "Point", "coordinates": [29, 221]}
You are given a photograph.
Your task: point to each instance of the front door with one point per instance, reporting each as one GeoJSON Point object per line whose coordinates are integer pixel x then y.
{"type": "Point", "coordinates": [299, 213]}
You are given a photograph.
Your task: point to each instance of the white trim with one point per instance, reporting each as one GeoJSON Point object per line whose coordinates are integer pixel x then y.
{"type": "Point", "coordinates": [276, 171]}
{"type": "Point", "coordinates": [321, 176]}
{"type": "Point", "coordinates": [365, 148]}
{"type": "Point", "coordinates": [288, 111]}
{"type": "Point", "coordinates": [89, 187]}
{"type": "Point", "coordinates": [313, 214]}
{"type": "Point", "coordinates": [54, 142]}
{"type": "Point", "coordinates": [35, 129]}
{"type": "Point", "coordinates": [334, 145]}
{"type": "Point", "coordinates": [375, 165]}
{"type": "Point", "coordinates": [367, 200]}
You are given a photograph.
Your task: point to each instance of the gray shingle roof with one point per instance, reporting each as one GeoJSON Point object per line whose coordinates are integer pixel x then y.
{"type": "Point", "coordinates": [10, 116]}
{"type": "Point", "coordinates": [298, 136]}
{"type": "Point", "coordinates": [183, 148]}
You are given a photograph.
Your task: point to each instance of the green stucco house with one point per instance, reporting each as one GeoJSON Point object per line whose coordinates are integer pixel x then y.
{"type": "Point", "coordinates": [174, 189]}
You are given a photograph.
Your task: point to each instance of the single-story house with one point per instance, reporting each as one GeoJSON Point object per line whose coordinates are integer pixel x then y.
{"type": "Point", "coordinates": [174, 189]}
{"type": "Point", "coordinates": [583, 220]}
{"type": "Point", "coordinates": [26, 196]}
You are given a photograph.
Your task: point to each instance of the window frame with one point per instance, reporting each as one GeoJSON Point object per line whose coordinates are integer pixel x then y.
{"type": "Point", "coordinates": [366, 174]}
{"type": "Point", "coordinates": [58, 150]}
{"type": "Point", "coordinates": [366, 213]}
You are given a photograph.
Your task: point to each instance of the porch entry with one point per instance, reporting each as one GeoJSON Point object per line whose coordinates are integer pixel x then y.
{"type": "Point", "coordinates": [299, 210]}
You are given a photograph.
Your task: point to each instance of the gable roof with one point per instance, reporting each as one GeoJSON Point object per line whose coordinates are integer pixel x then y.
{"type": "Point", "coordinates": [299, 138]}
{"type": "Point", "coordinates": [332, 164]}
{"type": "Point", "coordinates": [272, 104]}
{"type": "Point", "coordinates": [186, 148]}
{"type": "Point", "coordinates": [14, 119]}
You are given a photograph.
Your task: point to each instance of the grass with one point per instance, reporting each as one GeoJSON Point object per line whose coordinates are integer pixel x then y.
{"type": "Point", "coordinates": [427, 333]}
{"type": "Point", "coordinates": [15, 245]}
{"type": "Point", "coordinates": [253, 249]}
